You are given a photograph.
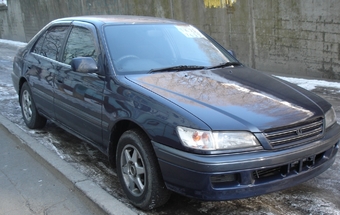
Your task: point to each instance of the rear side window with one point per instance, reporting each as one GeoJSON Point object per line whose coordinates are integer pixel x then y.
{"type": "Point", "coordinates": [50, 44]}
{"type": "Point", "coordinates": [80, 44]}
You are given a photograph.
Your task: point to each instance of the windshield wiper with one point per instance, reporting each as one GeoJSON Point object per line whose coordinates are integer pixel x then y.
{"type": "Point", "coordinates": [177, 68]}
{"type": "Point", "coordinates": [225, 65]}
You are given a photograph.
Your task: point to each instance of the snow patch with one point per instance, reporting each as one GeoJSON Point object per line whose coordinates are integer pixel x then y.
{"type": "Point", "coordinates": [13, 43]}
{"type": "Point", "coordinates": [311, 84]}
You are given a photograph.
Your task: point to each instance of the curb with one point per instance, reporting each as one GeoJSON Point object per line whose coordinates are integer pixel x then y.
{"type": "Point", "coordinates": [104, 201]}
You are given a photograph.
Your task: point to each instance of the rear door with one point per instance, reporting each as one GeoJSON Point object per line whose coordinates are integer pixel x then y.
{"type": "Point", "coordinates": [79, 96]}
{"type": "Point", "coordinates": [41, 65]}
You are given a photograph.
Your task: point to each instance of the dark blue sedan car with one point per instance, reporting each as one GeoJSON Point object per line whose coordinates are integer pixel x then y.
{"type": "Point", "coordinates": [172, 109]}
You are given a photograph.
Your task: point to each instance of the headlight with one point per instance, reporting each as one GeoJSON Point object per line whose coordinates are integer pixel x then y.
{"type": "Point", "coordinates": [207, 140]}
{"type": "Point", "coordinates": [330, 117]}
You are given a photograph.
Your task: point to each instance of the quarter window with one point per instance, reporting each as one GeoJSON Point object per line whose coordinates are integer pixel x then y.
{"type": "Point", "coordinates": [38, 45]}
{"type": "Point", "coordinates": [80, 44]}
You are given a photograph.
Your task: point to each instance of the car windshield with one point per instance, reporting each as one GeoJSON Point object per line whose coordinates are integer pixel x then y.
{"type": "Point", "coordinates": [161, 47]}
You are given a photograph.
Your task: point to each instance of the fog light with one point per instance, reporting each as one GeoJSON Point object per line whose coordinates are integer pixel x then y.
{"type": "Point", "coordinates": [223, 178]}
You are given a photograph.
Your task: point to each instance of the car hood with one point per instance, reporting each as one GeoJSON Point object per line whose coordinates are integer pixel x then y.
{"type": "Point", "coordinates": [234, 99]}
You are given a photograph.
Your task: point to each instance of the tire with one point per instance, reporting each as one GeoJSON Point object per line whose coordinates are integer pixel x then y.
{"type": "Point", "coordinates": [138, 171]}
{"type": "Point", "coordinates": [29, 112]}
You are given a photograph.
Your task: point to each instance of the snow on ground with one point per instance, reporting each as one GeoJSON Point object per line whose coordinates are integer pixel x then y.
{"type": "Point", "coordinates": [310, 84]}
{"type": "Point", "coordinates": [11, 42]}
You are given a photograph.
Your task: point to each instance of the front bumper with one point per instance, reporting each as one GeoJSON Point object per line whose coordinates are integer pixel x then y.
{"type": "Point", "coordinates": [235, 176]}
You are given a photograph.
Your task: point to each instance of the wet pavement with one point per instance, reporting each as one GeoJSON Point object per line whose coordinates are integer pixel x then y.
{"type": "Point", "coordinates": [320, 195]}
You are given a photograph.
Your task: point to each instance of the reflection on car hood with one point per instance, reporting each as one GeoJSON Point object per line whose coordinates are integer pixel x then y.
{"type": "Point", "coordinates": [226, 98]}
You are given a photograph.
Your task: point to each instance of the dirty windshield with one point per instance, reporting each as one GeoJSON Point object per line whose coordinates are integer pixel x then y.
{"type": "Point", "coordinates": [144, 48]}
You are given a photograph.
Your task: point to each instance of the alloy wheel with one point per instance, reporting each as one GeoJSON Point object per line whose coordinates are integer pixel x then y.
{"type": "Point", "coordinates": [27, 105]}
{"type": "Point", "coordinates": [133, 170]}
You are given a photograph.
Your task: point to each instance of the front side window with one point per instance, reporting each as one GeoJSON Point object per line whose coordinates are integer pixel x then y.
{"type": "Point", "coordinates": [50, 45]}
{"type": "Point", "coordinates": [80, 44]}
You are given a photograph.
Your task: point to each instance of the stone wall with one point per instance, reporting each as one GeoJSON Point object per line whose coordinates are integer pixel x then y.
{"type": "Point", "coordinates": [298, 37]}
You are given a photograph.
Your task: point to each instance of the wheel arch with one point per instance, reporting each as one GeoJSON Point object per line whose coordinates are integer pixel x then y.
{"type": "Point", "coordinates": [21, 82]}
{"type": "Point", "coordinates": [116, 132]}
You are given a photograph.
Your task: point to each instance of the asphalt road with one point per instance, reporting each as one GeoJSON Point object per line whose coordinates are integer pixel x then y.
{"type": "Point", "coordinates": [320, 195]}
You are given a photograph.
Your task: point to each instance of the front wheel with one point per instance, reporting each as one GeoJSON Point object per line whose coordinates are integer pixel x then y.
{"type": "Point", "coordinates": [29, 112]}
{"type": "Point", "coordinates": [138, 171]}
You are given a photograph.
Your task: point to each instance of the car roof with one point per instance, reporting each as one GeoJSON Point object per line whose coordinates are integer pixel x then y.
{"type": "Point", "coordinates": [119, 19]}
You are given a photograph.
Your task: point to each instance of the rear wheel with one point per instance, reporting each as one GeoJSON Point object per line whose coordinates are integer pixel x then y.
{"type": "Point", "coordinates": [138, 171]}
{"type": "Point", "coordinates": [29, 112]}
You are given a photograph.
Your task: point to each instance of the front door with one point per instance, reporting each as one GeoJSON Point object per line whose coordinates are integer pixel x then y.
{"type": "Point", "coordinates": [79, 96]}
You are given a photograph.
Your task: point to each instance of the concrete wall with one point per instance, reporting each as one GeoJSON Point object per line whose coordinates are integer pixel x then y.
{"type": "Point", "coordinates": [299, 37]}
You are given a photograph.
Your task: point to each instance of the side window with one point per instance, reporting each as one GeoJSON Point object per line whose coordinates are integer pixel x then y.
{"type": "Point", "coordinates": [38, 45]}
{"type": "Point", "coordinates": [53, 42]}
{"type": "Point", "coordinates": [80, 44]}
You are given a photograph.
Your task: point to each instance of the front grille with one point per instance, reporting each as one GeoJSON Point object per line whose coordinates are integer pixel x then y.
{"type": "Point", "coordinates": [295, 134]}
{"type": "Point", "coordinates": [264, 173]}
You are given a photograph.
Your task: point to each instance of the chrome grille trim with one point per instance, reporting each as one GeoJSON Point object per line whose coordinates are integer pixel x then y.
{"type": "Point", "coordinates": [294, 134]}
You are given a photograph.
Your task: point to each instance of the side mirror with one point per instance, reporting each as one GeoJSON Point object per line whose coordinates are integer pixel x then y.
{"type": "Point", "coordinates": [232, 53]}
{"type": "Point", "coordinates": [84, 65]}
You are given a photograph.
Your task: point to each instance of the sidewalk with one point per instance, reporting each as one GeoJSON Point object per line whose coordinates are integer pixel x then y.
{"type": "Point", "coordinates": [34, 180]}
{"type": "Point", "coordinates": [28, 187]}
